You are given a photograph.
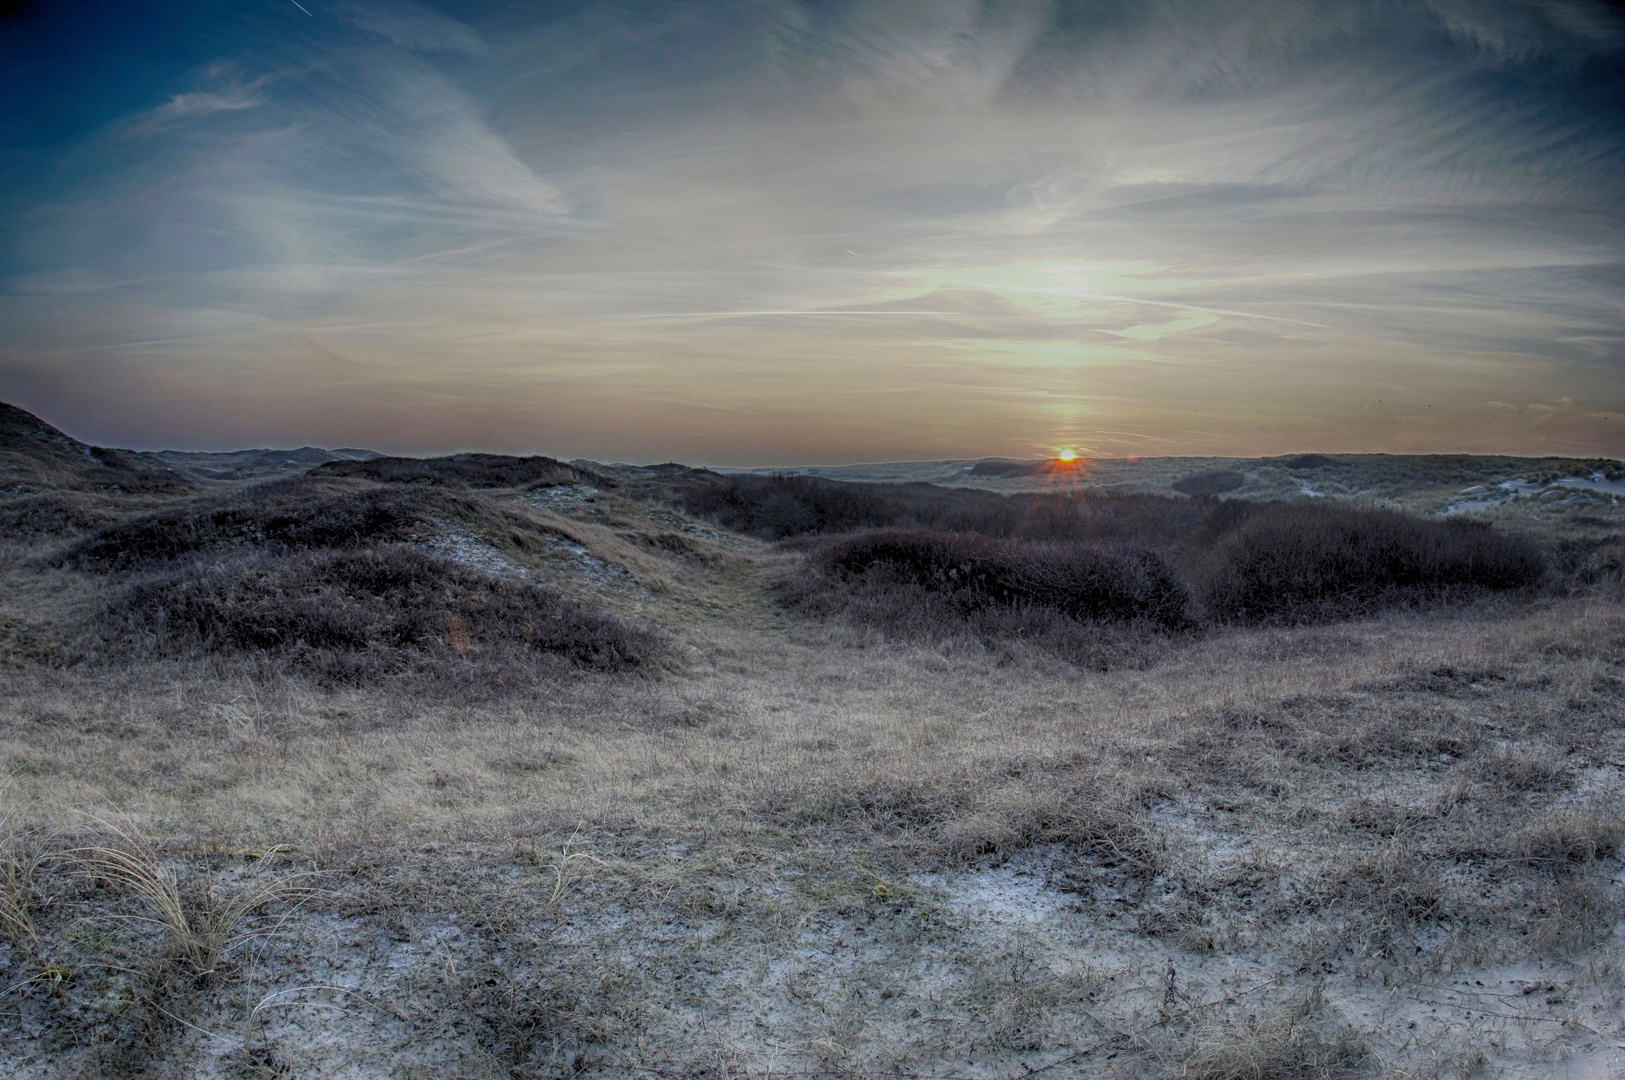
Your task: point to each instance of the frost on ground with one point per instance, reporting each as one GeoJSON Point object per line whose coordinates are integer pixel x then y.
{"type": "Point", "coordinates": [467, 550]}
{"type": "Point", "coordinates": [594, 568]}
{"type": "Point", "coordinates": [987, 972]}
{"type": "Point", "coordinates": [1568, 491]}
{"type": "Point", "coordinates": [1377, 848]}
{"type": "Point", "coordinates": [573, 561]}
{"type": "Point", "coordinates": [563, 497]}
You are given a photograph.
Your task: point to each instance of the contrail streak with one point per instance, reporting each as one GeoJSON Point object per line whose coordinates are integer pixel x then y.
{"type": "Point", "coordinates": [300, 6]}
{"type": "Point", "coordinates": [1155, 303]}
{"type": "Point", "coordinates": [735, 314]}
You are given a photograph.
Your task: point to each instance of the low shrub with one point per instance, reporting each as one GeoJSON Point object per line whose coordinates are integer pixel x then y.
{"type": "Point", "coordinates": [279, 516]}
{"type": "Point", "coordinates": [464, 470]}
{"type": "Point", "coordinates": [778, 507]}
{"type": "Point", "coordinates": [357, 615]}
{"type": "Point", "coordinates": [1303, 562]}
{"type": "Point", "coordinates": [1585, 562]}
{"type": "Point", "coordinates": [1216, 482]}
{"type": "Point", "coordinates": [1088, 582]}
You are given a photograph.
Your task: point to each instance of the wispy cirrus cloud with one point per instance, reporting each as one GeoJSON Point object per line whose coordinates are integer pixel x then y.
{"type": "Point", "coordinates": [1201, 226]}
{"type": "Point", "coordinates": [413, 26]}
{"type": "Point", "coordinates": [222, 90]}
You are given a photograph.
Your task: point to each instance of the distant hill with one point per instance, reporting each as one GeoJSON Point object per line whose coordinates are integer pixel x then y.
{"type": "Point", "coordinates": [254, 466]}
{"type": "Point", "coordinates": [36, 457]}
{"type": "Point", "coordinates": [471, 470]}
{"type": "Point", "coordinates": [1422, 483]}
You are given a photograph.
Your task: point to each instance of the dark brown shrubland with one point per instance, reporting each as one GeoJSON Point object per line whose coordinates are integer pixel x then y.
{"type": "Point", "coordinates": [361, 616]}
{"type": "Point", "coordinates": [782, 506]}
{"type": "Point", "coordinates": [328, 579]}
{"type": "Point", "coordinates": [1111, 602]}
{"type": "Point", "coordinates": [1312, 562]}
{"type": "Point", "coordinates": [284, 515]}
{"type": "Point", "coordinates": [464, 470]}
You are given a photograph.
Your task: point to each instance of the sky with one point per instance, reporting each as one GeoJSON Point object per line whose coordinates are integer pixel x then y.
{"type": "Point", "coordinates": [777, 232]}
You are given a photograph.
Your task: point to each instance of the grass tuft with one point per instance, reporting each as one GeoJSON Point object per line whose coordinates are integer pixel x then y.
{"type": "Point", "coordinates": [20, 859]}
{"type": "Point", "coordinates": [1284, 1045]}
{"type": "Point", "coordinates": [1569, 839]}
{"type": "Point", "coordinates": [203, 922]}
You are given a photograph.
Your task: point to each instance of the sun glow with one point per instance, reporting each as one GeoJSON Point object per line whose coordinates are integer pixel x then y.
{"type": "Point", "coordinates": [1067, 455]}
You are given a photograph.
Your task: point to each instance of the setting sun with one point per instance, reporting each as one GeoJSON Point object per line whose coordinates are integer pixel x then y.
{"type": "Point", "coordinates": [1067, 455]}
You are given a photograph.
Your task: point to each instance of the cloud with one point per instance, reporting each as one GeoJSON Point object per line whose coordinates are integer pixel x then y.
{"type": "Point", "coordinates": [1196, 224]}
{"type": "Point", "coordinates": [224, 92]}
{"type": "Point", "coordinates": [413, 26]}
{"type": "Point", "coordinates": [59, 283]}
{"type": "Point", "coordinates": [204, 102]}
{"type": "Point", "coordinates": [945, 198]}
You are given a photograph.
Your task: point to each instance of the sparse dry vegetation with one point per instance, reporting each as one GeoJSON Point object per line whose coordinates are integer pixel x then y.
{"type": "Point", "coordinates": [372, 775]}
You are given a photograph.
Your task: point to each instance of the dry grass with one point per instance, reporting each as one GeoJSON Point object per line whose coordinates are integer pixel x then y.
{"type": "Point", "coordinates": [822, 848]}
{"type": "Point", "coordinates": [202, 921]}
{"type": "Point", "coordinates": [19, 861]}
{"type": "Point", "coordinates": [1285, 1044]}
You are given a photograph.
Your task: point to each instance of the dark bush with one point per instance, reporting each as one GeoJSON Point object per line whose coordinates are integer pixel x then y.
{"type": "Point", "coordinates": [1079, 581]}
{"type": "Point", "coordinates": [876, 601]}
{"type": "Point", "coordinates": [780, 506]}
{"type": "Point", "coordinates": [1216, 482]}
{"type": "Point", "coordinates": [358, 615]}
{"type": "Point", "coordinates": [464, 470]}
{"type": "Point", "coordinates": [1581, 562]}
{"type": "Point", "coordinates": [282, 515]}
{"type": "Point", "coordinates": [1303, 562]}
{"type": "Point", "coordinates": [1004, 467]}
{"type": "Point", "coordinates": [777, 506]}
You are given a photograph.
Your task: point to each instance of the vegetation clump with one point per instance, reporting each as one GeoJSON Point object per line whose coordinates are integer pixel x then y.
{"type": "Point", "coordinates": [1310, 461]}
{"type": "Point", "coordinates": [1306, 562]}
{"type": "Point", "coordinates": [1241, 562]}
{"type": "Point", "coordinates": [353, 616]}
{"type": "Point", "coordinates": [1117, 583]}
{"type": "Point", "coordinates": [464, 470]}
{"type": "Point", "coordinates": [780, 507]}
{"type": "Point", "coordinates": [1215, 482]}
{"type": "Point", "coordinates": [284, 515]}
{"type": "Point", "coordinates": [331, 578]}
